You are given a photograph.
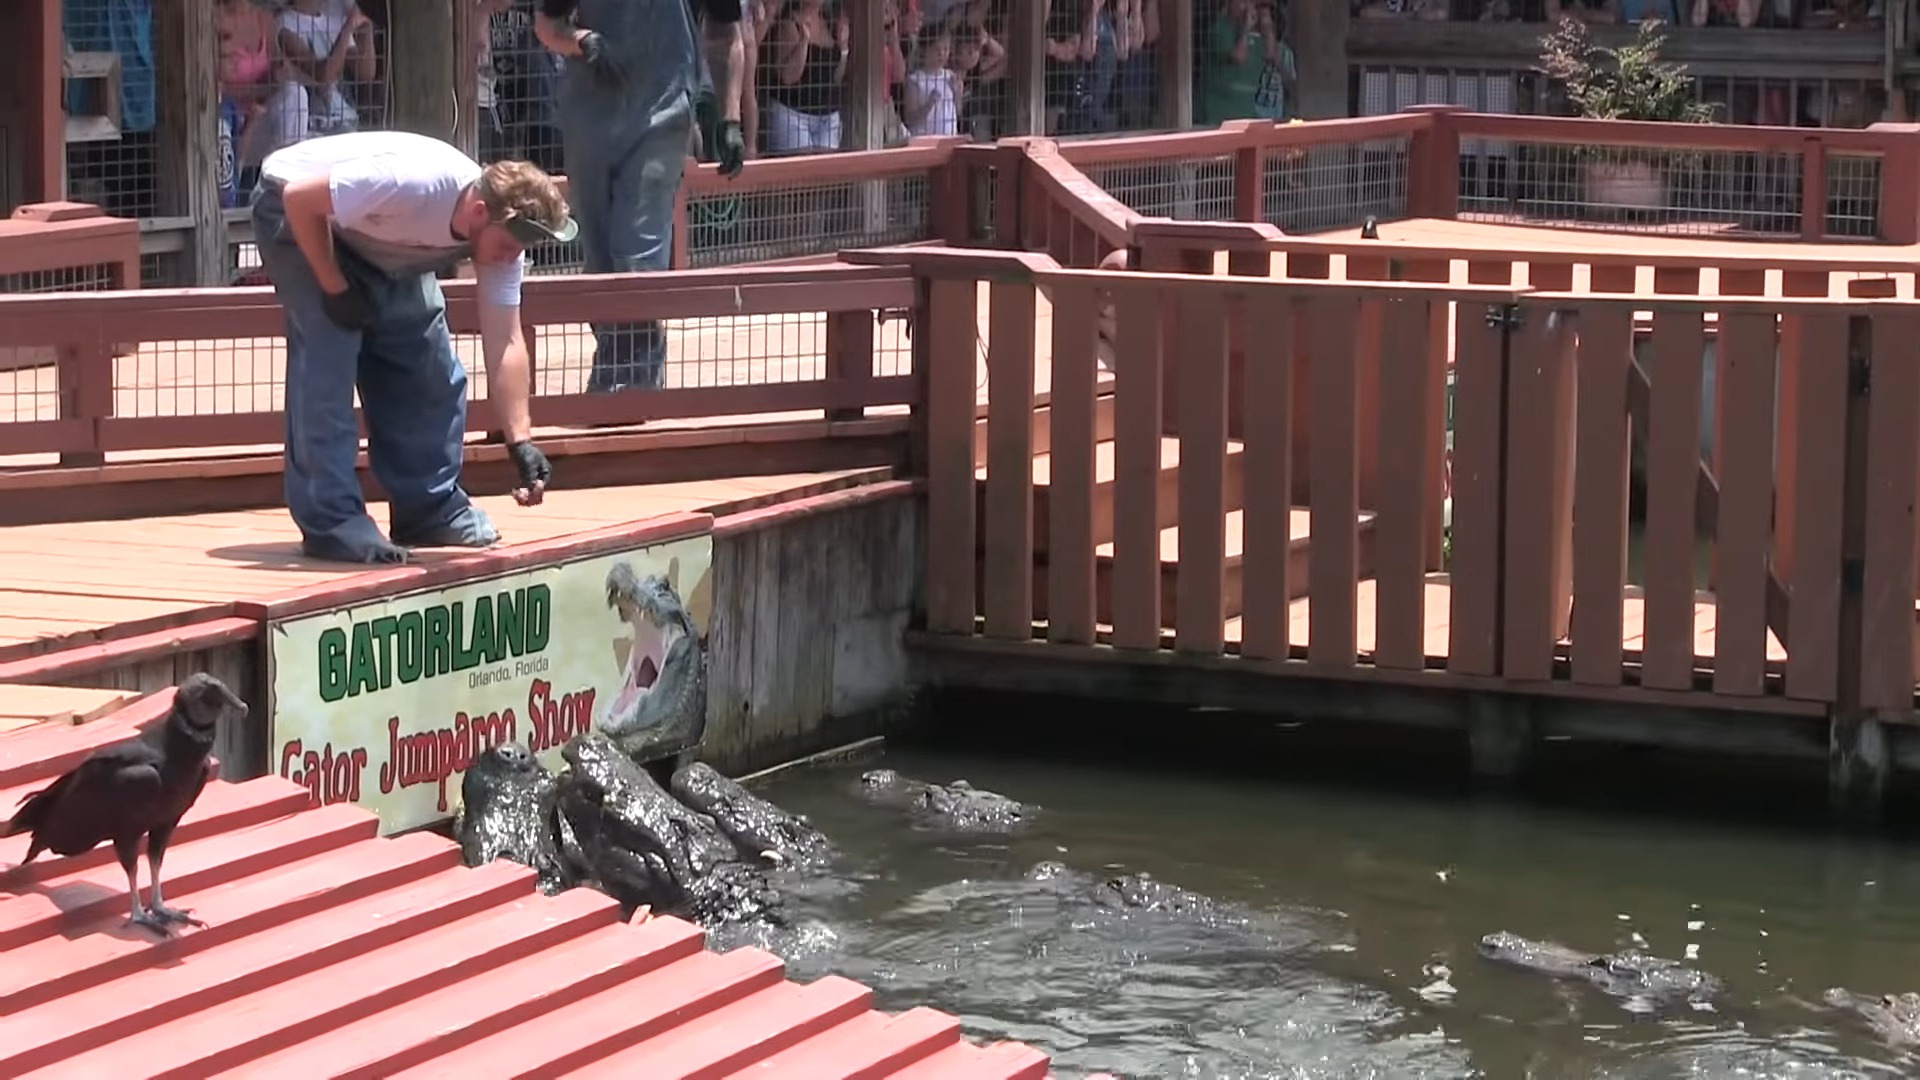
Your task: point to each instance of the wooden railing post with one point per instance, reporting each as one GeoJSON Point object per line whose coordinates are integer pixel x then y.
{"type": "Point", "coordinates": [966, 185]}
{"type": "Point", "coordinates": [85, 376]}
{"type": "Point", "coordinates": [1899, 209]}
{"type": "Point", "coordinates": [1813, 190]}
{"type": "Point", "coordinates": [1537, 550]}
{"type": "Point", "coordinates": [1250, 169]}
{"type": "Point", "coordinates": [1433, 164]}
{"type": "Point", "coordinates": [849, 355]}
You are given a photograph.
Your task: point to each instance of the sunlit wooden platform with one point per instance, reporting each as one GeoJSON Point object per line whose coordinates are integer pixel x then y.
{"type": "Point", "coordinates": [1469, 240]}
{"type": "Point", "coordinates": [1438, 600]}
{"type": "Point", "coordinates": [73, 583]}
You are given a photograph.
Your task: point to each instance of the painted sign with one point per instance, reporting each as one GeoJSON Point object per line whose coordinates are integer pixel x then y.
{"type": "Point", "coordinates": [386, 704]}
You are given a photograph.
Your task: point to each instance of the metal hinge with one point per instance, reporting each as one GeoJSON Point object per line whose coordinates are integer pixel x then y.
{"type": "Point", "coordinates": [1503, 317]}
{"type": "Point", "coordinates": [1859, 374]}
{"type": "Point", "coordinates": [1853, 575]}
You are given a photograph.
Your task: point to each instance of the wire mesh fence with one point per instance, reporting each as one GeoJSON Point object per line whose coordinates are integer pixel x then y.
{"type": "Point", "coordinates": [781, 222]}
{"type": "Point", "coordinates": [1305, 188]}
{"type": "Point", "coordinates": [238, 376]}
{"type": "Point", "coordinates": [1317, 188]}
{"type": "Point", "coordinates": [1677, 192]}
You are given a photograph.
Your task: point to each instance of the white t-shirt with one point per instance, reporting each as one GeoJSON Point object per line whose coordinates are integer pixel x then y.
{"type": "Point", "coordinates": [394, 194]}
{"type": "Point", "coordinates": [943, 116]}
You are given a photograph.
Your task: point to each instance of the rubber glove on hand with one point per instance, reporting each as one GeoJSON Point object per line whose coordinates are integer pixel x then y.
{"type": "Point", "coordinates": [347, 310]}
{"type": "Point", "coordinates": [534, 472]}
{"type": "Point", "coordinates": [599, 60]}
{"type": "Point", "coordinates": [732, 151]}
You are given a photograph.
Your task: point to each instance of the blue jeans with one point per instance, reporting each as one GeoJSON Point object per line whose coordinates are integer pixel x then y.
{"type": "Point", "coordinates": [413, 394]}
{"type": "Point", "coordinates": [623, 192]}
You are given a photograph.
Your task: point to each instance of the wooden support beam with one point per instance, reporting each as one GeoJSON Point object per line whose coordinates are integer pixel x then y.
{"type": "Point", "coordinates": [420, 67]}
{"type": "Point", "coordinates": [35, 98]}
{"type": "Point", "coordinates": [187, 134]}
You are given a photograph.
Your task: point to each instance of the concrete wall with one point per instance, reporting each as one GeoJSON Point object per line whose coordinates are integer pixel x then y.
{"type": "Point", "coordinates": [805, 650]}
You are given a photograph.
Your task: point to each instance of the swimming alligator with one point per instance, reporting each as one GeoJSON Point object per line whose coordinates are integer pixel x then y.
{"type": "Point", "coordinates": [1893, 1017]}
{"type": "Point", "coordinates": [1137, 892]}
{"type": "Point", "coordinates": [507, 811]}
{"type": "Point", "coordinates": [958, 806]}
{"type": "Point", "coordinates": [643, 847]}
{"type": "Point", "coordinates": [756, 826]}
{"type": "Point", "coordinates": [661, 707]}
{"type": "Point", "coordinates": [1643, 983]}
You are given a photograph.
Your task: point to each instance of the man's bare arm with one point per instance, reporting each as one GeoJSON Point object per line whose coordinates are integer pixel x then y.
{"type": "Point", "coordinates": [309, 210]}
{"type": "Point", "coordinates": [509, 370]}
{"type": "Point", "coordinates": [726, 62]}
{"type": "Point", "coordinates": [553, 24]}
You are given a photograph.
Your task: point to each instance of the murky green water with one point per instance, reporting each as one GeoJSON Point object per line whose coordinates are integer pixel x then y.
{"type": "Point", "coordinates": [1365, 900]}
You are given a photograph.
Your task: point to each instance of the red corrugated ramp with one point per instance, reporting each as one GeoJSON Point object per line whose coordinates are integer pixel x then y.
{"type": "Point", "coordinates": [334, 953]}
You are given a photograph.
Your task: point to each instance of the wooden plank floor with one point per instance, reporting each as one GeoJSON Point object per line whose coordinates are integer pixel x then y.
{"type": "Point", "coordinates": [59, 581]}
{"type": "Point", "coordinates": [26, 706]}
{"type": "Point", "coordinates": [1467, 237]}
{"type": "Point", "coordinates": [1438, 599]}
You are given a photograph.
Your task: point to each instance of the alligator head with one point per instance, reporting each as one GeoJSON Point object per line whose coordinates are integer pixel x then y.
{"type": "Point", "coordinates": [662, 706]}
{"type": "Point", "coordinates": [507, 812]}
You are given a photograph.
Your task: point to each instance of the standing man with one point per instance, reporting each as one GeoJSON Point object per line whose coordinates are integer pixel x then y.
{"type": "Point", "coordinates": [626, 105]}
{"type": "Point", "coordinates": [352, 229]}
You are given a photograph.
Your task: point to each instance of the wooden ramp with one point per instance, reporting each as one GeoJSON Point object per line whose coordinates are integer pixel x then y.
{"type": "Point", "coordinates": [330, 952]}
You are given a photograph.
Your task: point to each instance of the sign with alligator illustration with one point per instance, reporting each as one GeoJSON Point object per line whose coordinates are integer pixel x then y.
{"type": "Point", "coordinates": [387, 703]}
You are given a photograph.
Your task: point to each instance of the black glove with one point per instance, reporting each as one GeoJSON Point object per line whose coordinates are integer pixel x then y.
{"type": "Point", "coordinates": [347, 310]}
{"type": "Point", "coordinates": [533, 468]}
{"type": "Point", "coordinates": [732, 151]}
{"type": "Point", "coordinates": [600, 61]}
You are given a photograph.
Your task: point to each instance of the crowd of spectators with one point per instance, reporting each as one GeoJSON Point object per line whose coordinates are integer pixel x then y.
{"type": "Point", "coordinates": [945, 71]}
{"type": "Point", "coordinates": [295, 69]}
{"type": "Point", "coordinates": [1774, 14]}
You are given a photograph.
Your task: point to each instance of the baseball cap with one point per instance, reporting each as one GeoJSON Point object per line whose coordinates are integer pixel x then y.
{"type": "Point", "coordinates": [530, 231]}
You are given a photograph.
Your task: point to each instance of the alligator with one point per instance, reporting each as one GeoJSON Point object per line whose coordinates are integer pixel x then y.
{"type": "Point", "coordinates": [958, 806]}
{"type": "Point", "coordinates": [755, 826]}
{"type": "Point", "coordinates": [1893, 1017]}
{"type": "Point", "coordinates": [661, 707]}
{"type": "Point", "coordinates": [1643, 983]}
{"type": "Point", "coordinates": [1135, 892]}
{"type": "Point", "coordinates": [644, 848]}
{"type": "Point", "coordinates": [507, 811]}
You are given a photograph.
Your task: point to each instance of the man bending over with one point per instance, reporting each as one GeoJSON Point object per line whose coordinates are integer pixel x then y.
{"type": "Point", "coordinates": [352, 230]}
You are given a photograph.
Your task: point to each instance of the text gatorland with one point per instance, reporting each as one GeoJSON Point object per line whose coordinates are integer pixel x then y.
{"type": "Point", "coordinates": [437, 639]}
{"type": "Point", "coordinates": [436, 755]}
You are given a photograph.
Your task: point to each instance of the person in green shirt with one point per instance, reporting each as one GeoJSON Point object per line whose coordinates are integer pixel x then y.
{"type": "Point", "coordinates": [1247, 72]}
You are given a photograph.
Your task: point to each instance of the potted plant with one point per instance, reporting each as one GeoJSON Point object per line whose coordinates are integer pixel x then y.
{"type": "Point", "coordinates": [1625, 83]}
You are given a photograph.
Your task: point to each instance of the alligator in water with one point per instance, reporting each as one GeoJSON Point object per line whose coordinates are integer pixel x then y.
{"type": "Point", "coordinates": [1643, 983]}
{"type": "Point", "coordinates": [1137, 892]}
{"type": "Point", "coordinates": [755, 825]}
{"type": "Point", "coordinates": [958, 806]}
{"type": "Point", "coordinates": [507, 811]}
{"type": "Point", "coordinates": [1893, 1017]}
{"type": "Point", "coordinates": [661, 707]}
{"type": "Point", "coordinates": [644, 847]}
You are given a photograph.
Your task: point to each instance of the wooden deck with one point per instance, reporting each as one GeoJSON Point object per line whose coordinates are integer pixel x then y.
{"type": "Point", "coordinates": [1438, 599]}
{"type": "Point", "coordinates": [1474, 240]}
{"type": "Point", "coordinates": [75, 582]}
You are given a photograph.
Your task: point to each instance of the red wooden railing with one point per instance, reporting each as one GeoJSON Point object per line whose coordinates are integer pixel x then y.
{"type": "Point", "coordinates": [1812, 484]}
{"type": "Point", "coordinates": [110, 347]}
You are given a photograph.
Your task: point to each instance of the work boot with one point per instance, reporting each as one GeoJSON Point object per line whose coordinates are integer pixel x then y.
{"type": "Point", "coordinates": [357, 542]}
{"type": "Point", "coordinates": [470, 528]}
